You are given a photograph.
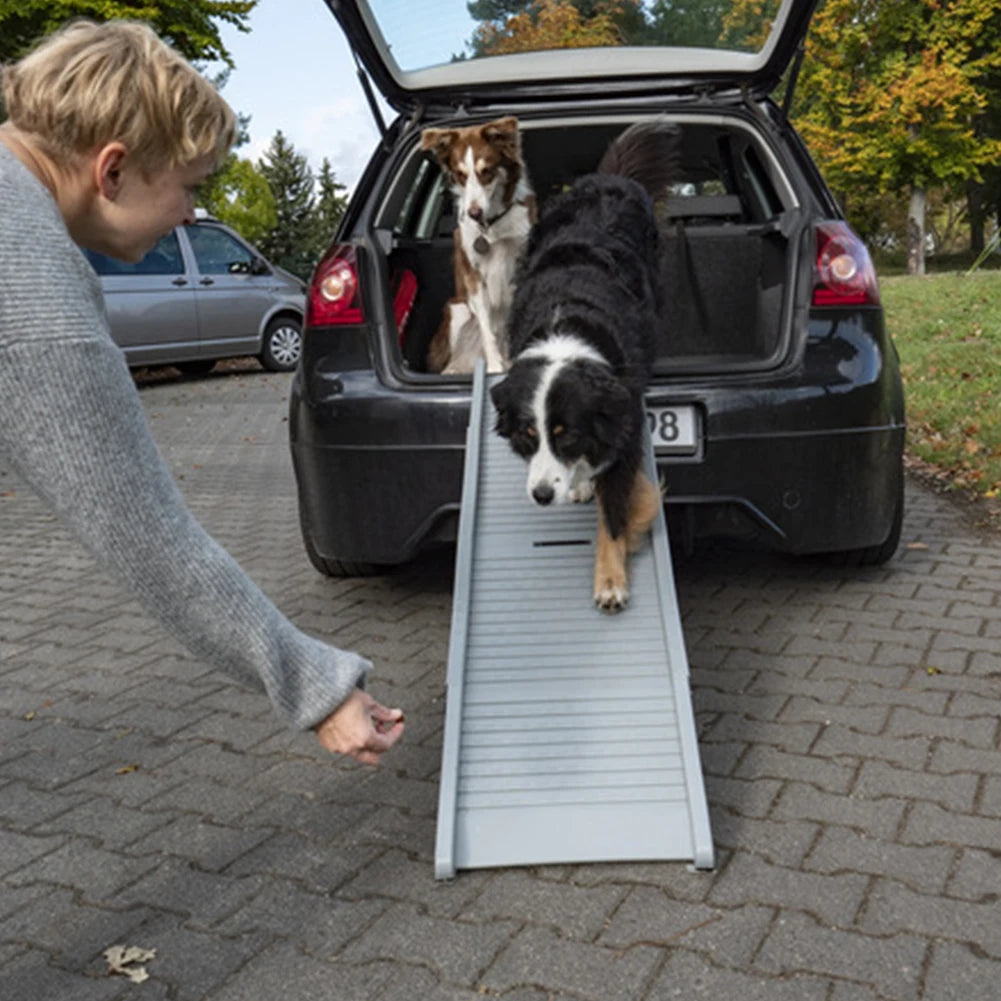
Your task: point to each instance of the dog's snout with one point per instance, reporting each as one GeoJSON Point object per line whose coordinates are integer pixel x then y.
{"type": "Point", "coordinates": [543, 493]}
{"type": "Point", "coordinates": [476, 212]}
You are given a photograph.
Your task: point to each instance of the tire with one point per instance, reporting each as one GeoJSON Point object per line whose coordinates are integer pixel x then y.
{"type": "Point", "coordinates": [877, 555]}
{"type": "Point", "coordinates": [199, 366]}
{"type": "Point", "coordinates": [282, 345]}
{"type": "Point", "coordinates": [334, 568]}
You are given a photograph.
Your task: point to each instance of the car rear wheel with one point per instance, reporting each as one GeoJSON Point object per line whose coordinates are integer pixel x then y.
{"type": "Point", "coordinates": [282, 344]}
{"type": "Point", "coordinates": [877, 555]}
{"type": "Point", "coordinates": [333, 568]}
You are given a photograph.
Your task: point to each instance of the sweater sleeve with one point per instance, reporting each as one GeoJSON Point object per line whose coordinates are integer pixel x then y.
{"type": "Point", "coordinates": [72, 426]}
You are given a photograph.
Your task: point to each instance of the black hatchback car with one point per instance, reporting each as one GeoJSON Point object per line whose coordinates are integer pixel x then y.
{"type": "Point", "coordinates": [776, 405]}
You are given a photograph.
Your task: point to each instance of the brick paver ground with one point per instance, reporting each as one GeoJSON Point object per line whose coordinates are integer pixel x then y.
{"type": "Point", "coordinates": [848, 728]}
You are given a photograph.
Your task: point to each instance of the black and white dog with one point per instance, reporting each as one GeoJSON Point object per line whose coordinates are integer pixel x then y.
{"type": "Point", "coordinates": [581, 333]}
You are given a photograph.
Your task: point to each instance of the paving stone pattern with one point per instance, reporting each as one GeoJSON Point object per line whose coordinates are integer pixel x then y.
{"type": "Point", "coordinates": [848, 725]}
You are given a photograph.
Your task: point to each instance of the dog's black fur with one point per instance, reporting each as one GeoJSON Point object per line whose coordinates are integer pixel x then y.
{"type": "Point", "coordinates": [590, 271]}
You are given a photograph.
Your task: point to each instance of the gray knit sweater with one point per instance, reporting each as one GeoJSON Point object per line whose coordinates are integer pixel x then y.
{"type": "Point", "coordinates": [72, 426]}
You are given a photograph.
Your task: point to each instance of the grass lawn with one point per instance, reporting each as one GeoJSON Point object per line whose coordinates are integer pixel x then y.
{"type": "Point", "coordinates": [947, 328]}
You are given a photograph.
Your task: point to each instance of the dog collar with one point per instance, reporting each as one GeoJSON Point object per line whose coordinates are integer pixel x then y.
{"type": "Point", "coordinates": [500, 215]}
{"type": "Point", "coordinates": [481, 244]}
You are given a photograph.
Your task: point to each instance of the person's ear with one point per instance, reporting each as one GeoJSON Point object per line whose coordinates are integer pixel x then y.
{"type": "Point", "coordinates": [108, 167]}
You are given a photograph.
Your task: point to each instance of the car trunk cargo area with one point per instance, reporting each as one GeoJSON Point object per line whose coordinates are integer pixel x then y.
{"type": "Point", "coordinates": [728, 228]}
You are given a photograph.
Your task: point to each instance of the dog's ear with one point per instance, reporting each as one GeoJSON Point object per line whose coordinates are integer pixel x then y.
{"type": "Point", "coordinates": [610, 406]}
{"type": "Point", "coordinates": [500, 393]}
{"type": "Point", "coordinates": [502, 134]}
{"type": "Point", "coordinates": [439, 142]}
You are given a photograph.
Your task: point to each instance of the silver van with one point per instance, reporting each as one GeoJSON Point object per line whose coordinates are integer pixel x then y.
{"type": "Point", "coordinates": [201, 294]}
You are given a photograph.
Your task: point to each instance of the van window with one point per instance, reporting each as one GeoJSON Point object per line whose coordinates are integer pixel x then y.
{"type": "Point", "coordinates": [164, 259]}
{"type": "Point", "coordinates": [217, 253]}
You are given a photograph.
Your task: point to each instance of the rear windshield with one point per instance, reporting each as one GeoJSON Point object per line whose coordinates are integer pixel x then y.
{"type": "Point", "coordinates": [424, 33]}
{"type": "Point", "coordinates": [724, 175]}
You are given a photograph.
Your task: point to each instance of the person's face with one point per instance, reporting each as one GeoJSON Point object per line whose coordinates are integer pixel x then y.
{"type": "Point", "coordinates": [140, 208]}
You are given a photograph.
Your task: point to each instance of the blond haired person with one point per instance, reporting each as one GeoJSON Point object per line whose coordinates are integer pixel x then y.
{"type": "Point", "coordinates": [110, 132]}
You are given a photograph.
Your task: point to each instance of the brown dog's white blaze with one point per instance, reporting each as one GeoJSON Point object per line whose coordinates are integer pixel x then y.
{"type": "Point", "coordinates": [611, 580]}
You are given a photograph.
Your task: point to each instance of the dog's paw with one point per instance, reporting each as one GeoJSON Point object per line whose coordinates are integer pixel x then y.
{"type": "Point", "coordinates": [582, 493]}
{"type": "Point", "coordinates": [611, 597]}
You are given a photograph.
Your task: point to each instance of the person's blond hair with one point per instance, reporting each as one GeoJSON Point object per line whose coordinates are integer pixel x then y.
{"type": "Point", "coordinates": [90, 84]}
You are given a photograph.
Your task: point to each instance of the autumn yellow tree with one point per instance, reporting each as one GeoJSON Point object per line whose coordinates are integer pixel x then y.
{"type": "Point", "coordinates": [747, 24]}
{"type": "Point", "coordinates": [552, 24]}
{"type": "Point", "coordinates": [891, 95]}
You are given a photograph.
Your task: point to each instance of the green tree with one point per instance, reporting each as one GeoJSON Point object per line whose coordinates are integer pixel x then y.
{"type": "Point", "coordinates": [290, 242]}
{"type": "Point", "coordinates": [688, 22]}
{"type": "Point", "coordinates": [331, 202]}
{"type": "Point", "coordinates": [984, 194]}
{"type": "Point", "coordinates": [891, 95]}
{"type": "Point", "coordinates": [239, 194]}
{"type": "Point", "coordinates": [191, 26]}
{"type": "Point", "coordinates": [496, 10]}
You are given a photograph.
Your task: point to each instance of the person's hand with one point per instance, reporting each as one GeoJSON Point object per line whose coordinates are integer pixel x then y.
{"type": "Point", "coordinates": [361, 728]}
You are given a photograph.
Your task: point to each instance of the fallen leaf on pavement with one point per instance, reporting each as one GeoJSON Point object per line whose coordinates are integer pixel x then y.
{"type": "Point", "coordinates": [128, 960]}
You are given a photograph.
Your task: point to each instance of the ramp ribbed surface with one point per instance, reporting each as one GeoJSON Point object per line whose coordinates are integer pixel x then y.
{"type": "Point", "coordinates": [569, 734]}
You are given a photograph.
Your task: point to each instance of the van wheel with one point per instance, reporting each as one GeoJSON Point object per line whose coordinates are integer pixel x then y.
{"type": "Point", "coordinates": [282, 345]}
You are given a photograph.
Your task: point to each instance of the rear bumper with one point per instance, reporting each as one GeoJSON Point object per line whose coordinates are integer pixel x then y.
{"type": "Point", "coordinates": [379, 473]}
{"type": "Point", "coordinates": [799, 493]}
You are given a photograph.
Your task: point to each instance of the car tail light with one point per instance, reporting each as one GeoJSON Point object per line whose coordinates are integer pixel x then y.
{"type": "Point", "coordinates": [335, 292]}
{"type": "Point", "coordinates": [844, 272]}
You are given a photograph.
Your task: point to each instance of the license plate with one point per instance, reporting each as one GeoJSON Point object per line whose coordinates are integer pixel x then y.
{"type": "Point", "coordinates": [674, 430]}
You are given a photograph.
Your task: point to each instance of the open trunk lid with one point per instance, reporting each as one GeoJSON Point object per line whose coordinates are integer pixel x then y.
{"type": "Point", "coordinates": [425, 54]}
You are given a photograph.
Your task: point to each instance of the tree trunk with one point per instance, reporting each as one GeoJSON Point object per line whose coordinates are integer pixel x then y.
{"type": "Point", "coordinates": [975, 209]}
{"type": "Point", "coordinates": [916, 232]}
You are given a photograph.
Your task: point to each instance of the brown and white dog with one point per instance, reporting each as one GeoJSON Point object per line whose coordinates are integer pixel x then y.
{"type": "Point", "coordinates": [496, 209]}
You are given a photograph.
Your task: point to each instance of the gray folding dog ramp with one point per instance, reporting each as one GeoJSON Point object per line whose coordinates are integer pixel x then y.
{"type": "Point", "coordinates": [569, 733]}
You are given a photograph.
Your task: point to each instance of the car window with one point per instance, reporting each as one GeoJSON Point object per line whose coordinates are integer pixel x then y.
{"type": "Point", "coordinates": [217, 253]}
{"type": "Point", "coordinates": [415, 201]}
{"type": "Point", "coordinates": [450, 34]}
{"type": "Point", "coordinates": [437, 216]}
{"type": "Point", "coordinates": [164, 259]}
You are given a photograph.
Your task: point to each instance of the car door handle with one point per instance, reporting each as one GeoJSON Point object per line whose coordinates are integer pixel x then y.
{"type": "Point", "coordinates": [180, 280]}
{"type": "Point", "coordinates": [207, 281]}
